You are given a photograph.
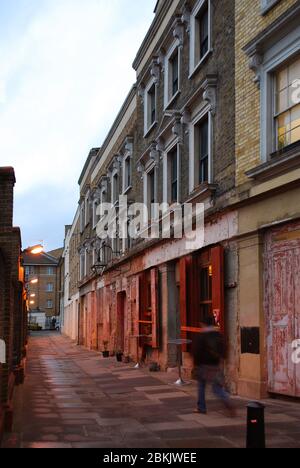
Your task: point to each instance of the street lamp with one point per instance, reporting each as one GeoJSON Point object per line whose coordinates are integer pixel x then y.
{"type": "Point", "coordinates": [35, 250]}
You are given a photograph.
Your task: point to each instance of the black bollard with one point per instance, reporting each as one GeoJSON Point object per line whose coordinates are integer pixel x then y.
{"type": "Point", "coordinates": [256, 435]}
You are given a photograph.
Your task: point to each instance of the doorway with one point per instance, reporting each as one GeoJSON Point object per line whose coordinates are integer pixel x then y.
{"type": "Point", "coordinates": [282, 305]}
{"type": "Point", "coordinates": [121, 308]}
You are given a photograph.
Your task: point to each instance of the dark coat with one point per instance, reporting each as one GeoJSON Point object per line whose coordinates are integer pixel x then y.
{"type": "Point", "coordinates": [208, 348]}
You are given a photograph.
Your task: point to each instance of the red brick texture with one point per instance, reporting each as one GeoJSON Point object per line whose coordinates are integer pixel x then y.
{"type": "Point", "coordinates": [12, 301]}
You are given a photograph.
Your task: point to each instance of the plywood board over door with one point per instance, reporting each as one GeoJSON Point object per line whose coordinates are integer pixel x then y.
{"type": "Point", "coordinates": [282, 307]}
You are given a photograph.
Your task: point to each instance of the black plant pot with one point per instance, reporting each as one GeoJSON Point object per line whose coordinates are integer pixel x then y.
{"type": "Point", "coordinates": [105, 354]}
{"type": "Point", "coordinates": [119, 357]}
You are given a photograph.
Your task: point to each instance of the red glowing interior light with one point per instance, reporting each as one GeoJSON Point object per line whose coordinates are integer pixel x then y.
{"type": "Point", "coordinates": [254, 421]}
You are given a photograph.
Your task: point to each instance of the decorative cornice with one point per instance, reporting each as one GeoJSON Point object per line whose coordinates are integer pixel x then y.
{"type": "Point", "coordinates": [178, 31]}
{"type": "Point", "coordinates": [154, 153]}
{"type": "Point", "coordinates": [155, 69]}
{"type": "Point", "coordinates": [128, 146]}
{"type": "Point", "coordinates": [255, 62]}
{"type": "Point", "coordinates": [186, 17]}
{"type": "Point", "coordinates": [210, 92]}
{"type": "Point", "coordinates": [178, 126]}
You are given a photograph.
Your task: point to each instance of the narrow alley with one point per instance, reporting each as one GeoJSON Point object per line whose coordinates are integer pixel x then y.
{"type": "Point", "coordinates": [73, 398]}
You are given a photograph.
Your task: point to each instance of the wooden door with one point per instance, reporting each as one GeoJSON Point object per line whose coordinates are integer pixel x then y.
{"type": "Point", "coordinates": [282, 305]}
{"type": "Point", "coordinates": [121, 307]}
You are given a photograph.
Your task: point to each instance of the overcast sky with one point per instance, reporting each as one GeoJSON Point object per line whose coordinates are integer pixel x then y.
{"type": "Point", "coordinates": [65, 70]}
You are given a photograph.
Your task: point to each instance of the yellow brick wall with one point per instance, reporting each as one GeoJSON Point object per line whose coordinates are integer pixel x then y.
{"type": "Point", "coordinates": [249, 23]}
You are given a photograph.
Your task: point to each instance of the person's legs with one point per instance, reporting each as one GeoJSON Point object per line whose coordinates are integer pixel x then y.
{"type": "Point", "coordinates": [219, 389]}
{"type": "Point", "coordinates": [201, 391]}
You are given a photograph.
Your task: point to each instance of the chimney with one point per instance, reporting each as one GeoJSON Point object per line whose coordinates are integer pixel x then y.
{"type": "Point", "coordinates": [7, 182]}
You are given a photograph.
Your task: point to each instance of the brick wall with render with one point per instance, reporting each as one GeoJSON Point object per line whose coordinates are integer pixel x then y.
{"type": "Point", "coordinates": [249, 23]}
{"type": "Point", "coordinates": [12, 301]}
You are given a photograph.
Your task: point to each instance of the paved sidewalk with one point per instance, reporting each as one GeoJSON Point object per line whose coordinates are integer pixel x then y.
{"type": "Point", "coordinates": [72, 398]}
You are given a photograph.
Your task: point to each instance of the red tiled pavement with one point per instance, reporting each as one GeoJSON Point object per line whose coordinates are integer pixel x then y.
{"type": "Point", "coordinates": [72, 398]}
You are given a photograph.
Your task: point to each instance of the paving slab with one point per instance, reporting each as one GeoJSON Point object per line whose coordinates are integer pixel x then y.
{"type": "Point", "coordinates": [73, 398]}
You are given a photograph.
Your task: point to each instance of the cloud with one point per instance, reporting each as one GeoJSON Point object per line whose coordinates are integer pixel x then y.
{"type": "Point", "coordinates": [64, 74]}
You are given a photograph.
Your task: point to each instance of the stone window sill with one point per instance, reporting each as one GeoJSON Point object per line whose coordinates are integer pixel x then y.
{"type": "Point", "coordinates": [280, 163]}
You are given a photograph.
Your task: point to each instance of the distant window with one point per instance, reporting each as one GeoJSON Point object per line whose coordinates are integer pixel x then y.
{"type": "Point", "coordinates": [200, 33]}
{"type": "Point", "coordinates": [151, 193]}
{"type": "Point", "coordinates": [87, 208]}
{"type": "Point", "coordinates": [172, 73]}
{"type": "Point", "coordinates": [127, 172]}
{"type": "Point", "coordinates": [173, 176]}
{"type": "Point", "coordinates": [115, 188]}
{"type": "Point", "coordinates": [203, 151]}
{"type": "Point", "coordinates": [96, 217]}
{"type": "Point", "coordinates": [150, 106]}
{"type": "Point", "coordinates": [200, 151]}
{"type": "Point", "coordinates": [50, 287]}
{"type": "Point", "coordinates": [82, 266]}
{"type": "Point", "coordinates": [287, 104]}
{"type": "Point", "coordinates": [82, 216]}
{"type": "Point", "coordinates": [49, 304]}
{"type": "Point", "coordinates": [50, 271]}
{"type": "Point", "coordinates": [29, 271]}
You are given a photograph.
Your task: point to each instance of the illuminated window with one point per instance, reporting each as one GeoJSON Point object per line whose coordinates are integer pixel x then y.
{"type": "Point", "coordinates": [287, 104]}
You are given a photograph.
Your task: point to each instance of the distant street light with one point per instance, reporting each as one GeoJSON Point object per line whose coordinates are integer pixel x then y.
{"type": "Point", "coordinates": [35, 250]}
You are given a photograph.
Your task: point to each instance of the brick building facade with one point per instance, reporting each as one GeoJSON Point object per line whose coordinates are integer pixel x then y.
{"type": "Point", "coordinates": [13, 307]}
{"type": "Point", "coordinates": [201, 126]}
{"type": "Point", "coordinates": [44, 298]}
{"type": "Point", "coordinates": [147, 289]}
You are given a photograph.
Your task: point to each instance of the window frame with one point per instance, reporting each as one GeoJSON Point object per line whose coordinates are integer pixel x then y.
{"type": "Point", "coordinates": [96, 203]}
{"type": "Point", "coordinates": [267, 5]}
{"type": "Point", "coordinates": [147, 125]}
{"type": "Point", "coordinates": [276, 114]}
{"type": "Point", "coordinates": [115, 188]}
{"type": "Point", "coordinates": [194, 63]}
{"type": "Point", "coordinates": [51, 288]}
{"type": "Point", "coordinates": [127, 172]}
{"type": "Point", "coordinates": [151, 168]}
{"type": "Point", "coordinates": [87, 209]}
{"type": "Point", "coordinates": [274, 58]}
{"type": "Point", "coordinates": [169, 95]}
{"type": "Point", "coordinates": [203, 114]}
{"type": "Point", "coordinates": [167, 172]}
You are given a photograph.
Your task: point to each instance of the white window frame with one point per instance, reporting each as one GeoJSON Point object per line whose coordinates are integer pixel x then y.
{"type": "Point", "coordinates": [193, 65]}
{"type": "Point", "coordinates": [267, 5]}
{"type": "Point", "coordinates": [82, 216]}
{"type": "Point", "coordinates": [50, 287]}
{"type": "Point", "coordinates": [82, 265]}
{"type": "Point", "coordinates": [127, 187]}
{"type": "Point", "coordinates": [274, 58]}
{"type": "Point", "coordinates": [87, 209]}
{"type": "Point", "coordinates": [95, 206]}
{"type": "Point", "coordinates": [168, 99]}
{"type": "Point", "coordinates": [115, 174]}
{"type": "Point", "coordinates": [192, 156]}
{"type": "Point", "coordinates": [50, 271]}
{"type": "Point", "coordinates": [166, 171]}
{"type": "Point", "coordinates": [151, 167]}
{"type": "Point", "coordinates": [147, 125]}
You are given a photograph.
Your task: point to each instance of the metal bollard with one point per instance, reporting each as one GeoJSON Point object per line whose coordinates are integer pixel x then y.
{"type": "Point", "coordinates": [256, 435]}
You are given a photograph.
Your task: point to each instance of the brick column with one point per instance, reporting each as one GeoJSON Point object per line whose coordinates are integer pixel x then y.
{"type": "Point", "coordinates": [7, 182]}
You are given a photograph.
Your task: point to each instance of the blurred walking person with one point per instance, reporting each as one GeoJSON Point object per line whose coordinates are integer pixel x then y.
{"type": "Point", "coordinates": [209, 355]}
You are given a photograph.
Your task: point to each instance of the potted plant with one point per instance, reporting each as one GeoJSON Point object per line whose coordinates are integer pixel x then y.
{"type": "Point", "coordinates": [105, 352]}
{"type": "Point", "coordinates": [119, 356]}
